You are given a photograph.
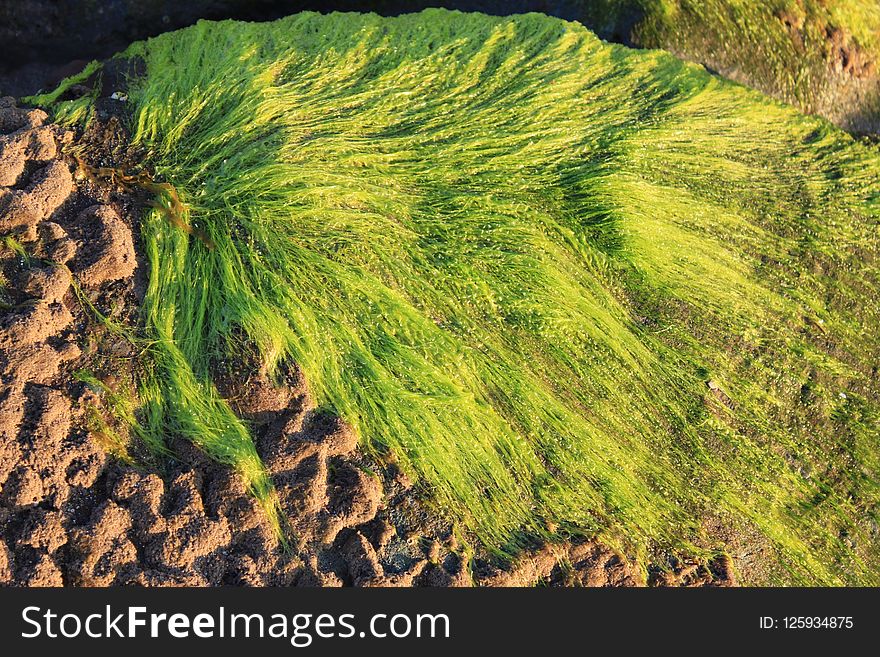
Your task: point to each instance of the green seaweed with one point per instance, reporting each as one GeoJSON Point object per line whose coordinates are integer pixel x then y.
{"type": "Point", "coordinates": [571, 286]}
{"type": "Point", "coordinates": [791, 49]}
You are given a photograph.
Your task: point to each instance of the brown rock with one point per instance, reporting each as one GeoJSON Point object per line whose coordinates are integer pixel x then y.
{"type": "Point", "coordinates": [48, 189]}
{"type": "Point", "coordinates": [110, 255]}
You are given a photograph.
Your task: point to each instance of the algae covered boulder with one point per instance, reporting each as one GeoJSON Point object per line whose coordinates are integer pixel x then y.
{"type": "Point", "coordinates": [573, 288]}
{"type": "Point", "coordinates": [819, 55]}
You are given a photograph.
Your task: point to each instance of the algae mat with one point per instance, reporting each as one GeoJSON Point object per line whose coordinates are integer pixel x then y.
{"type": "Point", "coordinates": [819, 55]}
{"type": "Point", "coordinates": [575, 289]}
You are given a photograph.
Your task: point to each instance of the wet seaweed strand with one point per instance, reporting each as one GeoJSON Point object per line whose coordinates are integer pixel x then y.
{"type": "Point", "coordinates": [174, 211]}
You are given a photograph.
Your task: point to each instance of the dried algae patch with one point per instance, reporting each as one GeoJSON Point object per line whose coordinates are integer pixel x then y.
{"type": "Point", "coordinates": [575, 288]}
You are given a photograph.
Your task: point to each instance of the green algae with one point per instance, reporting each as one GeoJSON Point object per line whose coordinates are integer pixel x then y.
{"type": "Point", "coordinates": [817, 55]}
{"type": "Point", "coordinates": [570, 285]}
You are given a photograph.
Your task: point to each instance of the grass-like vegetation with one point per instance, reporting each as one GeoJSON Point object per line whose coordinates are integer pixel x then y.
{"type": "Point", "coordinates": [782, 47]}
{"type": "Point", "coordinates": [576, 289]}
